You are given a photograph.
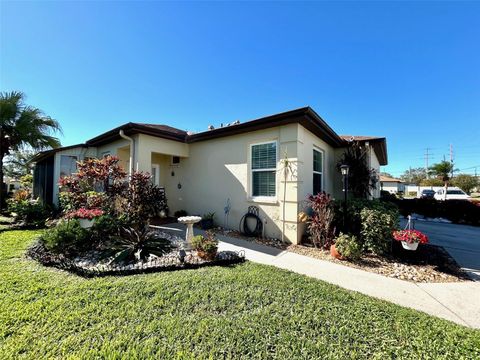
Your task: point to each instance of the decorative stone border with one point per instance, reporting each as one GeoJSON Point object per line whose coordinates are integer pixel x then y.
{"type": "Point", "coordinates": [169, 262]}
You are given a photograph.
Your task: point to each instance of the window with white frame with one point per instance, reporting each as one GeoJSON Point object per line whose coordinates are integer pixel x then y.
{"type": "Point", "coordinates": [317, 171]}
{"type": "Point", "coordinates": [263, 169]}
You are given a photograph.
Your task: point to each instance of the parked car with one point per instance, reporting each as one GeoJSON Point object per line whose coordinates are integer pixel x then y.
{"type": "Point", "coordinates": [427, 194]}
{"type": "Point", "coordinates": [452, 194]}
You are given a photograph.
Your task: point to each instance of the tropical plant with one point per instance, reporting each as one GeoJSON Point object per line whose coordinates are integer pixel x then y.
{"type": "Point", "coordinates": [207, 244]}
{"type": "Point", "coordinates": [465, 182]}
{"type": "Point", "coordinates": [208, 216]}
{"type": "Point", "coordinates": [137, 244]}
{"type": "Point", "coordinates": [320, 222]}
{"type": "Point", "coordinates": [442, 171]}
{"type": "Point", "coordinates": [30, 212]}
{"type": "Point", "coordinates": [23, 126]}
{"type": "Point", "coordinates": [96, 184]}
{"type": "Point", "coordinates": [361, 178]}
{"type": "Point", "coordinates": [348, 246]}
{"type": "Point", "coordinates": [68, 236]}
{"type": "Point", "coordinates": [139, 200]}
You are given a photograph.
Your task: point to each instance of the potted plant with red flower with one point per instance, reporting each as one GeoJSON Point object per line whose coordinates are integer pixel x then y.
{"type": "Point", "coordinates": [410, 238]}
{"type": "Point", "coordinates": [85, 216]}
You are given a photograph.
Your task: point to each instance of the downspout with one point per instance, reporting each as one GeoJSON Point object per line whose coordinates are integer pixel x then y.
{"type": "Point", "coordinates": [132, 150]}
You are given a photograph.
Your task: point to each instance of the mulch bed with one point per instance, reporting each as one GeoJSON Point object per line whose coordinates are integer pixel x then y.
{"type": "Point", "coordinates": [429, 263]}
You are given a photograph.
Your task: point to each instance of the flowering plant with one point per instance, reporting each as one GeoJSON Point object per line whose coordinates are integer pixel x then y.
{"type": "Point", "coordinates": [84, 213]}
{"type": "Point", "coordinates": [410, 236]}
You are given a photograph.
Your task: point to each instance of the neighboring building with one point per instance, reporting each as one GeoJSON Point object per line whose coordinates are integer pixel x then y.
{"type": "Point", "coordinates": [11, 184]}
{"type": "Point", "coordinates": [392, 185]}
{"type": "Point", "coordinates": [240, 163]}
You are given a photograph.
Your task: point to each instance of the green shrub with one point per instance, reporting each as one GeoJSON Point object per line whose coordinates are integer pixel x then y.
{"type": "Point", "coordinates": [372, 221]}
{"type": "Point", "coordinates": [106, 227]}
{"type": "Point", "coordinates": [67, 236]}
{"type": "Point", "coordinates": [348, 246]}
{"type": "Point", "coordinates": [208, 243]}
{"type": "Point", "coordinates": [457, 211]}
{"type": "Point", "coordinates": [31, 212]}
{"type": "Point", "coordinates": [377, 228]}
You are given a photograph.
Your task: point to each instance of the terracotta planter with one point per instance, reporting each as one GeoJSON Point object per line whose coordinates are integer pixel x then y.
{"type": "Point", "coordinates": [86, 223]}
{"type": "Point", "coordinates": [335, 253]}
{"type": "Point", "coordinates": [410, 246]}
{"type": "Point", "coordinates": [206, 256]}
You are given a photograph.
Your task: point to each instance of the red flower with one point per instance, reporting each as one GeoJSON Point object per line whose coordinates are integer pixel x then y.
{"type": "Point", "coordinates": [84, 213]}
{"type": "Point", "coordinates": [410, 236]}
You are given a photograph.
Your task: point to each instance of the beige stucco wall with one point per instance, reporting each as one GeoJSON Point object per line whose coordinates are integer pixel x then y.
{"type": "Point", "coordinates": [218, 169]}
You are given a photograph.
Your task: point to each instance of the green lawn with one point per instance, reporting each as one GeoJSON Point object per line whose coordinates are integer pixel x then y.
{"type": "Point", "coordinates": [246, 311]}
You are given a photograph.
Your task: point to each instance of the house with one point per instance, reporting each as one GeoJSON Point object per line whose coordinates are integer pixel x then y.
{"type": "Point", "coordinates": [392, 185]}
{"type": "Point", "coordinates": [239, 164]}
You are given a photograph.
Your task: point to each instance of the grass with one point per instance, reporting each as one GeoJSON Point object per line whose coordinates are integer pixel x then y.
{"type": "Point", "coordinates": [246, 311]}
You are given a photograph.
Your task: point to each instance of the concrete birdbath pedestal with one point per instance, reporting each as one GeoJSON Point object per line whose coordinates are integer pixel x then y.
{"type": "Point", "coordinates": [189, 221]}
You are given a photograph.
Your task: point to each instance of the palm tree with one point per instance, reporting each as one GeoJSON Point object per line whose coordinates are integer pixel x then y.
{"type": "Point", "coordinates": [442, 170]}
{"type": "Point", "coordinates": [23, 126]}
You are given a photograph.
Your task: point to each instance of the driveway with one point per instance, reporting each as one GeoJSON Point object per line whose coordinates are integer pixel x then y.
{"type": "Point", "coordinates": [461, 241]}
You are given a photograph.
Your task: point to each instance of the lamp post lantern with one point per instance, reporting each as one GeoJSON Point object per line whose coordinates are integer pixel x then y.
{"type": "Point", "coordinates": [344, 170]}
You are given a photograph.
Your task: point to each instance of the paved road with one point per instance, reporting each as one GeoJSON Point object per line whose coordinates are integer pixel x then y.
{"type": "Point", "coordinates": [461, 241]}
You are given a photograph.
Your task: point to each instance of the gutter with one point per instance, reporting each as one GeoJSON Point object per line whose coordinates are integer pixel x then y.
{"type": "Point", "coordinates": [132, 150]}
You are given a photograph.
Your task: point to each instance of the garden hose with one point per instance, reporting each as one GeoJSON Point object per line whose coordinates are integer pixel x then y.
{"type": "Point", "coordinates": [246, 230]}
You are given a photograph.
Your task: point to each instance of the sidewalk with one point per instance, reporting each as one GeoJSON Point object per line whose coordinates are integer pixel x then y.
{"type": "Point", "coordinates": [457, 302]}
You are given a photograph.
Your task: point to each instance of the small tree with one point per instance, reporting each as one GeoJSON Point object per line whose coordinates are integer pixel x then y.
{"type": "Point", "coordinates": [320, 222]}
{"type": "Point", "coordinates": [442, 171]}
{"type": "Point", "coordinates": [414, 176]}
{"type": "Point", "coordinates": [361, 179]}
{"type": "Point", "coordinates": [22, 125]}
{"type": "Point", "coordinates": [465, 182]}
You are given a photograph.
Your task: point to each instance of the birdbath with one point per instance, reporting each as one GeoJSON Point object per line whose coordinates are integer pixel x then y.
{"type": "Point", "coordinates": [189, 221]}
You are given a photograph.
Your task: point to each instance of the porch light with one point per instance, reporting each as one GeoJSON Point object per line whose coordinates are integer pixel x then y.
{"type": "Point", "coordinates": [344, 169]}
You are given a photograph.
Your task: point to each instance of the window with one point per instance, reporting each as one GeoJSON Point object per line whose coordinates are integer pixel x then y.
{"type": "Point", "coordinates": [317, 171]}
{"type": "Point", "coordinates": [264, 166]}
{"type": "Point", "coordinates": [155, 174]}
{"type": "Point", "coordinates": [68, 165]}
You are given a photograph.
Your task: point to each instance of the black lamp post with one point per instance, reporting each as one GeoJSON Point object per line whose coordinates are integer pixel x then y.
{"type": "Point", "coordinates": [344, 169]}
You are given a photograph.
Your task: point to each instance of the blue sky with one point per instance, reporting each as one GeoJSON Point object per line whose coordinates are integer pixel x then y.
{"type": "Point", "coordinates": [408, 71]}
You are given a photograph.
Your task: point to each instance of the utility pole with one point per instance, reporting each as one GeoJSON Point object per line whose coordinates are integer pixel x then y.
{"type": "Point", "coordinates": [427, 157]}
{"type": "Point", "coordinates": [451, 159]}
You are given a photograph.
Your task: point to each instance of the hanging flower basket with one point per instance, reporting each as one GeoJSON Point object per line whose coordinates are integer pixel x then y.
{"type": "Point", "coordinates": [410, 238]}
{"type": "Point", "coordinates": [85, 216]}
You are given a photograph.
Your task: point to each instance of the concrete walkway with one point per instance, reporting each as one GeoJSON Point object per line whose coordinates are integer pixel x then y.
{"type": "Point", "coordinates": [457, 302]}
